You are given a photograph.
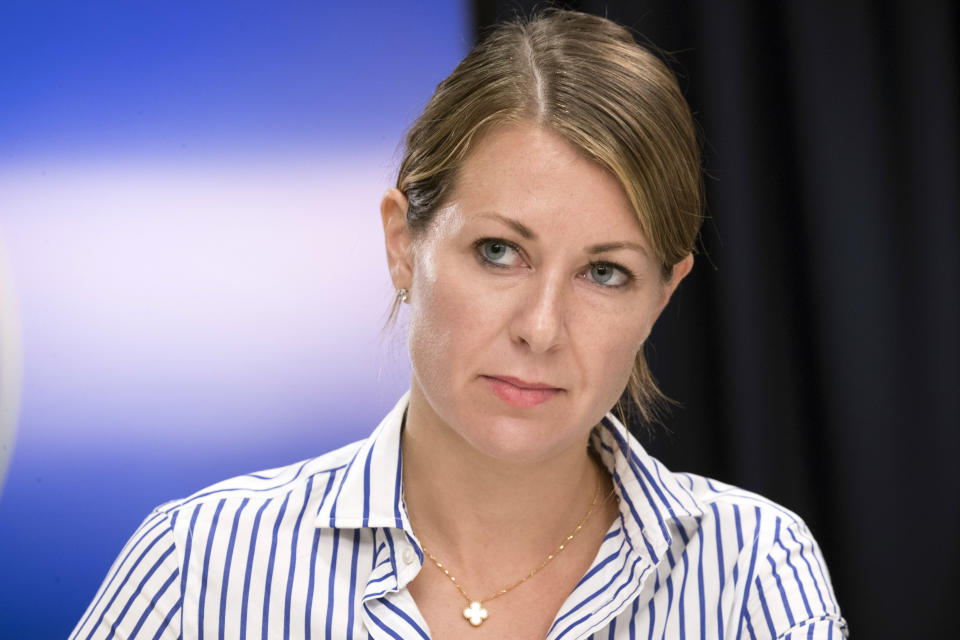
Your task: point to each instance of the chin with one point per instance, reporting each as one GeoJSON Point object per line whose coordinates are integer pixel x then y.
{"type": "Point", "coordinates": [522, 439]}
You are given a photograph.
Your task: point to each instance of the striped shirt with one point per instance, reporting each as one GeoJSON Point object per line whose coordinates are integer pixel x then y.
{"type": "Point", "coordinates": [324, 549]}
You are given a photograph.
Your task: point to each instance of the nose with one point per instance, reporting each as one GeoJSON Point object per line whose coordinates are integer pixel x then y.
{"type": "Point", "coordinates": [540, 319]}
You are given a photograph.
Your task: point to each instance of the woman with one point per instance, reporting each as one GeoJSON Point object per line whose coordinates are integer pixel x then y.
{"type": "Point", "coordinates": [545, 210]}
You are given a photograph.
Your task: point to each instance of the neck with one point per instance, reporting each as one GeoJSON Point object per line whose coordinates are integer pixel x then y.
{"type": "Point", "coordinates": [461, 501]}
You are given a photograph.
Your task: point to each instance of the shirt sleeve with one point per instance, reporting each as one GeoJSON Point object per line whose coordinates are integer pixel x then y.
{"type": "Point", "coordinates": [141, 595]}
{"type": "Point", "coordinates": [791, 595]}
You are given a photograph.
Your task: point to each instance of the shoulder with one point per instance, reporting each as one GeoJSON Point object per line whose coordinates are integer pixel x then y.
{"type": "Point", "coordinates": [311, 478]}
{"type": "Point", "coordinates": [782, 579]}
{"type": "Point", "coordinates": [722, 499]}
{"type": "Point", "coordinates": [283, 498]}
{"type": "Point", "coordinates": [185, 544]}
{"type": "Point", "coordinates": [262, 487]}
{"type": "Point", "coordinates": [760, 531]}
{"type": "Point", "coordinates": [687, 501]}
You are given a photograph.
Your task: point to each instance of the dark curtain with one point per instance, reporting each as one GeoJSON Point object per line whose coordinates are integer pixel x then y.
{"type": "Point", "coordinates": [814, 349]}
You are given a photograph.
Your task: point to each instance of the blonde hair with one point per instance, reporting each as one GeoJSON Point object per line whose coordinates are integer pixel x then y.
{"type": "Point", "coordinates": [585, 78]}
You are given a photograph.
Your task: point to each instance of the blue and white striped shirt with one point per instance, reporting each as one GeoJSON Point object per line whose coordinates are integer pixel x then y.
{"type": "Point", "coordinates": [324, 549]}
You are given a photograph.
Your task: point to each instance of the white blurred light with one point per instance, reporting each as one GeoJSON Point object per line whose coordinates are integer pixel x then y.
{"type": "Point", "coordinates": [197, 287]}
{"type": "Point", "coordinates": [11, 365]}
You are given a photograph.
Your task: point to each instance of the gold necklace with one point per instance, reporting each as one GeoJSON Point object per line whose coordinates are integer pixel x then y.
{"type": "Point", "coordinates": [475, 613]}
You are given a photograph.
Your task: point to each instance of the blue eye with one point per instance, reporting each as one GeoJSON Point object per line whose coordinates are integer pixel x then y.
{"type": "Point", "coordinates": [609, 275]}
{"type": "Point", "coordinates": [496, 252]}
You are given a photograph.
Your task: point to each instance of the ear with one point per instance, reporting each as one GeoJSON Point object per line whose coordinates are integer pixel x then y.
{"type": "Point", "coordinates": [680, 271]}
{"type": "Point", "coordinates": [397, 237]}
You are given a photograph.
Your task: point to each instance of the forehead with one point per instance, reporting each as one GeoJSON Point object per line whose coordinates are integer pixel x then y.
{"type": "Point", "coordinates": [532, 174]}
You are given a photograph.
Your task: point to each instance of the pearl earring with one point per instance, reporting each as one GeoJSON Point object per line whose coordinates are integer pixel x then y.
{"type": "Point", "coordinates": [402, 294]}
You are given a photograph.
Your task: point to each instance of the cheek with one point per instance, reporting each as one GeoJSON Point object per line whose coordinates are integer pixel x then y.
{"type": "Point", "coordinates": [446, 319]}
{"type": "Point", "coordinates": [612, 339]}
{"type": "Point", "coordinates": [615, 358]}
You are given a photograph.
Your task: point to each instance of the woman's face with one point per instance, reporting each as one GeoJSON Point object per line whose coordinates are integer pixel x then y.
{"type": "Point", "coordinates": [530, 294]}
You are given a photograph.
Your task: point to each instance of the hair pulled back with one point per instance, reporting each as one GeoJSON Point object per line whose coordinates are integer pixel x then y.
{"type": "Point", "coordinates": [586, 79]}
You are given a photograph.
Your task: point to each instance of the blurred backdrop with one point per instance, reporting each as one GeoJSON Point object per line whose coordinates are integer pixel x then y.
{"type": "Point", "coordinates": [189, 205]}
{"type": "Point", "coordinates": [192, 282]}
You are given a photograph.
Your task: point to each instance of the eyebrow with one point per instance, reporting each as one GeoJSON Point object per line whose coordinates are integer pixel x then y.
{"type": "Point", "coordinates": [613, 246]}
{"type": "Point", "coordinates": [523, 230]}
{"type": "Point", "coordinates": [528, 234]}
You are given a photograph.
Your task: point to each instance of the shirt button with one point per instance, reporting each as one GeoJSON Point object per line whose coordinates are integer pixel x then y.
{"type": "Point", "coordinates": [409, 557]}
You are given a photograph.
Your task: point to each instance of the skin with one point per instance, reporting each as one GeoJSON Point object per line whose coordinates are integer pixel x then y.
{"type": "Point", "coordinates": [506, 283]}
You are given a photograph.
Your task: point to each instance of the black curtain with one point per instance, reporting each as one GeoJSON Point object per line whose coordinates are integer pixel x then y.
{"type": "Point", "coordinates": [814, 348]}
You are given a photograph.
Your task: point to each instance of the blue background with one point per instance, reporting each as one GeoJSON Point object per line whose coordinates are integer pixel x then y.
{"type": "Point", "coordinates": [189, 209]}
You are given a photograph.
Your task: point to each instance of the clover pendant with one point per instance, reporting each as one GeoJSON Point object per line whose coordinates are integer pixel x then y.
{"type": "Point", "coordinates": [475, 613]}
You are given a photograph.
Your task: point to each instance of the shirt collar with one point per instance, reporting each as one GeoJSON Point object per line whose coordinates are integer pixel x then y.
{"type": "Point", "coordinates": [654, 504]}
{"type": "Point", "coordinates": [369, 492]}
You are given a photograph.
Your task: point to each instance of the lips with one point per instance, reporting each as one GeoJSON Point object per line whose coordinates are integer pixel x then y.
{"type": "Point", "coordinates": [520, 393]}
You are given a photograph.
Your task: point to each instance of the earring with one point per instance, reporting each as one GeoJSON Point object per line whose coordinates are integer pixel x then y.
{"type": "Point", "coordinates": [402, 294]}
